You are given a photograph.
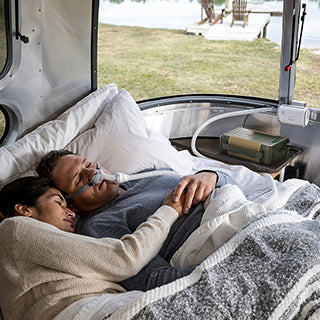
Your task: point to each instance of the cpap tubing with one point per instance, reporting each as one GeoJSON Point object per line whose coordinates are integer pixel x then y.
{"type": "Point", "coordinates": [218, 117]}
{"type": "Point", "coordinates": [120, 177]}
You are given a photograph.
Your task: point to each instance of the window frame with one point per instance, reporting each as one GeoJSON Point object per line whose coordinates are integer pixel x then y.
{"type": "Point", "coordinates": [6, 116]}
{"type": "Point", "coordinates": [8, 34]}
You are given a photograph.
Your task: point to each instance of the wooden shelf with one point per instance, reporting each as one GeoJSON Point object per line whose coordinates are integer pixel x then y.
{"type": "Point", "coordinates": [210, 147]}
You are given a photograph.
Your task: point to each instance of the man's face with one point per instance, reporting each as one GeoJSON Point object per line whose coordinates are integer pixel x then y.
{"type": "Point", "coordinates": [73, 172]}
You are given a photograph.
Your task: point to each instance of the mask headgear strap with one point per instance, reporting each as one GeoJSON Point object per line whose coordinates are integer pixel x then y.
{"type": "Point", "coordinates": [82, 189]}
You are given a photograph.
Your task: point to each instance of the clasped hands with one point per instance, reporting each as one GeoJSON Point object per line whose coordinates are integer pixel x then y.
{"type": "Point", "coordinates": [191, 190]}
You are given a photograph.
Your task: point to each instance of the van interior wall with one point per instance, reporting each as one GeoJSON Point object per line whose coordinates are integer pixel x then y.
{"type": "Point", "coordinates": [175, 123]}
{"type": "Point", "coordinates": [53, 70]}
{"type": "Point", "coordinates": [308, 138]}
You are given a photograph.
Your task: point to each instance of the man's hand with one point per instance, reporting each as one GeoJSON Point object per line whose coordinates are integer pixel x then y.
{"type": "Point", "coordinates": [197, 186]}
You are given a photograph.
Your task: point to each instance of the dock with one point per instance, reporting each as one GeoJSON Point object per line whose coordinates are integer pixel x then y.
{"type": "Point", "coordinates": [256, 28]}
{"type": "Point", "coordinates": [259, 18]}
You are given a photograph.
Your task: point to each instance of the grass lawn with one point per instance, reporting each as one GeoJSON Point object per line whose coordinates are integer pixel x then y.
{"type": "Point", "coordinates": [159, 62]}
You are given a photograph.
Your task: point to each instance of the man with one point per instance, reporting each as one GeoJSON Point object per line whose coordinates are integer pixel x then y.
{"type": "Point", "coordinates": [110, 210]}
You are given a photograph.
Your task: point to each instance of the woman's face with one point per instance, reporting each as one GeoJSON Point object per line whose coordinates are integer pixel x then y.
{"type": "Point", "coordinates": [52, 208]}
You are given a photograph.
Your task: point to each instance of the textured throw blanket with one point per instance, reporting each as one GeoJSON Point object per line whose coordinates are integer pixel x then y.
{"type": "Point", "coordinates": [270, 269]}
{"type": "Point", "coordinates": [227, 212]}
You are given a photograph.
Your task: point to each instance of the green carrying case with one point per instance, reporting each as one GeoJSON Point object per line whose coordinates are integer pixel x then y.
{"type": "Point", "coordinates": [254, 145]}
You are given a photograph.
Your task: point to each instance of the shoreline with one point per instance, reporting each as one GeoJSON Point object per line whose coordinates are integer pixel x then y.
{"type": "Point", "coordinates": [315, 50]}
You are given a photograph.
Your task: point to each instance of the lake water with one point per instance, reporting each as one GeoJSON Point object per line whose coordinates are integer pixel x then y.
{"type": "Point", "coordinates": [178, 14]}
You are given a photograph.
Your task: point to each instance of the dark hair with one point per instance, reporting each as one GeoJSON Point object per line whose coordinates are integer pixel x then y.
{"type": "Point", "coordinates": [48, 162]}
{"type": "Point", "coordinates": [26, 190]}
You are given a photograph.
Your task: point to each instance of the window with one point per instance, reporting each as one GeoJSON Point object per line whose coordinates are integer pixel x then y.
{"type": "Point", "coordinates": [4, 39]}
{"type": "Point", "coordinates": [3, 123]}
{"type": "Point", "coordinates": [144, 47]}
{"type": "Point", "coordinates": [152, 49]}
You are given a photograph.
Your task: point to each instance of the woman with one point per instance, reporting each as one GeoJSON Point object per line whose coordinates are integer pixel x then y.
{"type": "Point", "coordinates": [45, 269]}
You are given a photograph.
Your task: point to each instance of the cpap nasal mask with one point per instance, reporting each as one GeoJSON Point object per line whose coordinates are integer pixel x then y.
{"type": "Point", "coordinates": [118, 178]}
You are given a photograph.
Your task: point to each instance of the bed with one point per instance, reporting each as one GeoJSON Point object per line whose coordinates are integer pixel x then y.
{"type": "Point", "coordinates": [260, 240]}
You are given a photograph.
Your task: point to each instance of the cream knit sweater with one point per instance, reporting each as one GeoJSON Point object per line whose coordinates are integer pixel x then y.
{"type": "Point", "coordinates": [43, 270]}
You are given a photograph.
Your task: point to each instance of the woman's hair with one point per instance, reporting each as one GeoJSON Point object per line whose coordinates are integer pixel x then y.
{"type": "Point", "coordinates": [24, 190]}
{"type": "Point", "coordinates": [48, 162]}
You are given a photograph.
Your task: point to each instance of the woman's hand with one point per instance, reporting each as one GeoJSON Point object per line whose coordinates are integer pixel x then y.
{"type": "Point", "coordinates": [177, 205]}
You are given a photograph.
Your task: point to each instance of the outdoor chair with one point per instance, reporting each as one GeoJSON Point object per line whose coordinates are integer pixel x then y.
{"type": "Point", "coordinates": [240, 12]}
{"type": "Point", "coordinates": [207, 6]}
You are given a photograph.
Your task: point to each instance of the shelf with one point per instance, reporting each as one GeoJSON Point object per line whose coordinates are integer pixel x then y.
{"type": "Point", "coordinates": [210, 147]}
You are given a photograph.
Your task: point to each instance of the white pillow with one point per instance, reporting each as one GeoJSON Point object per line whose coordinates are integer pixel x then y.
{"type": "Point", "coordinates": [22, 157]}
{"type": "Point", "coordinates": [122, 142]}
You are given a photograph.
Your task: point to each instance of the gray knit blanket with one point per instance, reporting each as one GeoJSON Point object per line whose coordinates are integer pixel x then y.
{"type": "Point", "coordinates": [270, 269]}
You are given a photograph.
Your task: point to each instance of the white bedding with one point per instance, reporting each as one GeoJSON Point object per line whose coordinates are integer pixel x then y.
{"type": "Point", "coordinates": [96, 308]}
{"type": "Point", "coordinates": [108, 127]}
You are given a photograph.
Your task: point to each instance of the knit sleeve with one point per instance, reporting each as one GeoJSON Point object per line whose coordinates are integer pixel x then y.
{"type": "Point", "coordinates": [106, 258]}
